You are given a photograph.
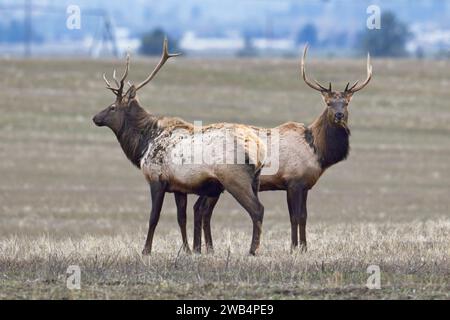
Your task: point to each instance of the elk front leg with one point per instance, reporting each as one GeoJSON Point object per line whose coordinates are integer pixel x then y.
{"type": "Point", "coordinates": [203, 209]}
{"type": "Point", "coordinates": [207, 210]}
{"type": "Point", "coordinates": [197, 246]}
{"type": "Point", "coordinates": [181, 202]}
{"type": "Point", "coordinates": [303, 217]}
{"type": "Point", "coordinates": [296, 199]}
{"type": "Point", "coordinates": [157, 190]}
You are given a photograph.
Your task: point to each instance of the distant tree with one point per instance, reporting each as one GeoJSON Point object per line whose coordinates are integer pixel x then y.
{"type": "Point", "coordinates": [420, 53]}
{"type": "Point", "coordinates": [442, 54]}
{"type": "Point", "coordinates": [390, 40]}
{"type": "Point", "coordinates": [307, 34]}
{"type": "Point", "coordinates": [248, 50]}
{"type": "Point", "coordinates": [151, 43]}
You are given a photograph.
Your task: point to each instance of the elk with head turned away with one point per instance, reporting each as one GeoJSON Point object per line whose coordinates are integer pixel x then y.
{"type": "Point", "coordinates": [305, 152]}
{"type": "Point", "coordinates": [157, 145]}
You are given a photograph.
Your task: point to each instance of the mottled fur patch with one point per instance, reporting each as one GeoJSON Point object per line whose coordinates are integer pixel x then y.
{"type": "Point", "coordinates": [309, 138]}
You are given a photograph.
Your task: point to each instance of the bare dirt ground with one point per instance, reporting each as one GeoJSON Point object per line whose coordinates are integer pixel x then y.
{"type": "Point", "coordinates": [68, 195]}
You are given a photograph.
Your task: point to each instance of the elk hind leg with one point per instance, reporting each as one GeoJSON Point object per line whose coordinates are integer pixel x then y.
{"type": "Point", "coordinates": [181, 202]}
{"type": "Point", "coordinates": [203, 210]}
{"type": "Point", "coordinates": [242, 188]}
{"type": "Point", "coordinates": [197, 245]}
{"type": "Point", "coordinates": [207, 208]}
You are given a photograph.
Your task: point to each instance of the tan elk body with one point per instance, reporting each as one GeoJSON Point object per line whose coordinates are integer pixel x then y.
{"type": "Point", "coordinates": [305, 152]}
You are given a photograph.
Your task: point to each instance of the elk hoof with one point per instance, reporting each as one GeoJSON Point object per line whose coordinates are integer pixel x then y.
{"type": "Point", "coordinates": [197, 250]}
{"type": "Point", "coordinates": [187, 250]}
{"type": "Point", "coordinates": [146, 252]}
{"type": "Point", "coordinates": [303, 248]}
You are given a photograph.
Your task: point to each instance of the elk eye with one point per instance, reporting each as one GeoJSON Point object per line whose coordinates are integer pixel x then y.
{"type": "Point", "coordinates": [113, 108]}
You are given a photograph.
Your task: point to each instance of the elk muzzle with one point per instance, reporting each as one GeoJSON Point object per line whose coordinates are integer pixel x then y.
{"type": "Point", "coordinates": [339, 117]}
{"type": "Point", "coordinates": [98, 121]}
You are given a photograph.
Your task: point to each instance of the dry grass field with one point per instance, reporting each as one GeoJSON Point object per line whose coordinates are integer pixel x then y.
{"type": "Point", "coordinates": [68, 195]}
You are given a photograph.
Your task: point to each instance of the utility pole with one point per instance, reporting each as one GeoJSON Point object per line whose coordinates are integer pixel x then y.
{"type": "Point", "coordinates": [108, 36]}
{"type": "Point", "coordinates": [28, 29]}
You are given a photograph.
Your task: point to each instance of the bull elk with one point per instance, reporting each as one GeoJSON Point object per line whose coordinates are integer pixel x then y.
{"type": "Point", "coordinates": [153, 143]}
{"type": "Point", "coordinates": [305, 152]}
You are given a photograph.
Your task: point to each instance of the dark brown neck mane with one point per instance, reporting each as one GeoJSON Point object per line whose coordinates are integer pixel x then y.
{"type": "Point", "coordinates": [138, 130]}
{"type": "Point", "coordinates": [330, 142]}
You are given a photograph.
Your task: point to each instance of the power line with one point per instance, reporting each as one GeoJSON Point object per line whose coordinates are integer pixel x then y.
{"type": "Point", "coordinates": [28, 8]}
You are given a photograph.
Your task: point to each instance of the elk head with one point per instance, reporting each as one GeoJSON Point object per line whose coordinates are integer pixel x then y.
{"type": "Point", "coordinates": [336, 101]}
{"type": "Point", "coordinates": [115, 115]}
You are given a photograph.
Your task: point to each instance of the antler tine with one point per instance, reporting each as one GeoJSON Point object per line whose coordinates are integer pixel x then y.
{"type": "Point", "coordinates": [120, 84]}
{"type": "Point", "coordinates": [115, 79]}
{"type": "Point", "coordinates": [108, 85]}
{"type": "Point", "coordinates": [353, 86]}
{"type": "Point", "coordinates": [106, 80]}
{"type": "Point", "coordinates": [316, 85]}
{"type": "Point", "coordinates": [348, 85]}
{"type": "Point", "coordinates": [166, 50]}
{"type": "Point", "coordinates": [357, 87]}
{"type": "Point", "coordinates": [321, 87]}
{"type": "Point", "coordinates": [125, 73]}
{"type": "Point", "coordinates": [165, 56]}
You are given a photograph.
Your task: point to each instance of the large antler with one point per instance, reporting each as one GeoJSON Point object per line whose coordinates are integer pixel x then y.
{"type": "Point", "coordinates": [165, 56]}
{"type": "Point", "coordinates": [355, 87]}
{"type": "Point", "coordinates": [120, 84]}
{"type": "Point", "coordinates": [316, 85]}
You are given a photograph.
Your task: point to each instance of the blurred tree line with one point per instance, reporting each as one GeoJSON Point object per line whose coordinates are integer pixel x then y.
{"type": "Point", "coordinates": [388, 41]}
